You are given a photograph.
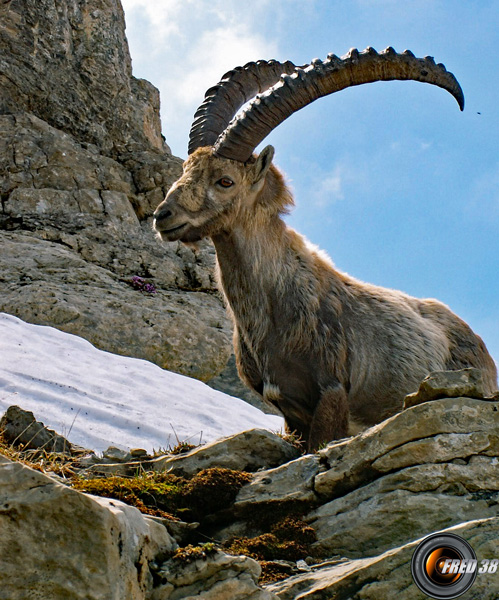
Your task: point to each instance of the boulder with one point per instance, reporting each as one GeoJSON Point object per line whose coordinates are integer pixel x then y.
{"type": "Point", "coordinates": [291, 482]}
{"type": "Point", "coordinates": [58, 543]}
{"type": "Point", "coordinates": [19, 427]}
{"type": "Point", "coordinates": [246, 451]}
{"type": "Point", "coordinates": [217, 576]}
{"type": "Point", "coordinates": [448, 384]}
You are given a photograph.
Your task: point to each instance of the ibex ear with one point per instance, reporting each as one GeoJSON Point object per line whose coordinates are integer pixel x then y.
{"type": "Point", "coordinates": [262, 164]}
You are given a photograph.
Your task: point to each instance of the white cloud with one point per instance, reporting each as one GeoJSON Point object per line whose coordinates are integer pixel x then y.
{"type": "Point", "coordinates": [193, 44]}
{"type": "Point", "coordinates": [215, 53]}
{"type": "Point", "coordinates": [331, 188]}
{"type": "Point", "coordinates": [161, 14]}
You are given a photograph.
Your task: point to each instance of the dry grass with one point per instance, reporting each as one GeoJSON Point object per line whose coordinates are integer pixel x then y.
{"type": "Point", "coordinates": [62, 464]}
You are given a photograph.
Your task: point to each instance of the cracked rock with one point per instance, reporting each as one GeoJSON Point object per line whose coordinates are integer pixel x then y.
{"type": "Point", "coordinates": [448, 384]}
{"type": "Point", "coordinates": [404, 439]}
{"type": "Point", "coordinates": [65, 544]}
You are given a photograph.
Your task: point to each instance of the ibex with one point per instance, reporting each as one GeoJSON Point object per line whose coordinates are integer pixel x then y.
{"type": "Point", "coordinates": [332, 353]}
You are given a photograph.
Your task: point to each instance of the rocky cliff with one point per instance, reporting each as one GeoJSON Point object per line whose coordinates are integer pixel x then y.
{"type": "Point", "coordinates": [82, 166]}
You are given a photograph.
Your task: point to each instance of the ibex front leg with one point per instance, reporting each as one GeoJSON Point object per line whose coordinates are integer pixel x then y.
{"type": "Point", "coordinates": [330, 418]}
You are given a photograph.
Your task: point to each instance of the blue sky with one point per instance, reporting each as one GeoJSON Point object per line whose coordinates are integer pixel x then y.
{"type": "Point", "coordinates": [391, 179]}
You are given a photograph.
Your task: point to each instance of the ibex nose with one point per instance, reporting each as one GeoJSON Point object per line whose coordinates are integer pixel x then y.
{"type": "Point", "coordinates": [162, 214]}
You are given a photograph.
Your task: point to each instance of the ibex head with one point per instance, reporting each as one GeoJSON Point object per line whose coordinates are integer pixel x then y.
{"type": "Point", "coordinates": [222, 179]}
{"type": "Point", "coordinates": [212, 194]}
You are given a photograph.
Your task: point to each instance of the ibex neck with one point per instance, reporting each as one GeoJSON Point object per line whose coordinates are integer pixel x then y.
{"type": "Point", "coordinates": [261, 272]}
{"type": "Point", "coordinates": [249, 261]}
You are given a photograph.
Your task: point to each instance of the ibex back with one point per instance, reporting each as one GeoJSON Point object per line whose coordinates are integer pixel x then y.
{"type": "Point", "coordinates": [332, 353]}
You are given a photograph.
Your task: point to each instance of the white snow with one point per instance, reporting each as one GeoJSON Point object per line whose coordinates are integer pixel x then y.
{"type": "Point", "coordinates": [97, 399]}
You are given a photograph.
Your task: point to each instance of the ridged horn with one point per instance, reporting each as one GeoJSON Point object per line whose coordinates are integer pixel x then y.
{"type": "Point", "coordinates": [306, 84]}
{"type": "Point", "coordinates": [222, 101]}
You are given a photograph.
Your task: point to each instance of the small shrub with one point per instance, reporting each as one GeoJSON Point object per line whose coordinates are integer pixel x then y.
{"type": "Point", "coordinates": [190, 553]}
{"type": "Point", "coordinates": [292, 528]}
{"type": "Point", "coordinates": [289, 539]}
{"type": "Point", "coordinates": [182, 448]}
{"type": "Point", "coordinates": [268, 547]}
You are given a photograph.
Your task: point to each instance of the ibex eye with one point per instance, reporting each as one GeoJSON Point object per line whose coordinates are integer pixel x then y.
{"type": "Point", "coordinates": [225, 182]}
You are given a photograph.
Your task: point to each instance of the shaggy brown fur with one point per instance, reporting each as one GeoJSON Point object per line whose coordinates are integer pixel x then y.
{"type": "Point", "coordinates": [322, 346]}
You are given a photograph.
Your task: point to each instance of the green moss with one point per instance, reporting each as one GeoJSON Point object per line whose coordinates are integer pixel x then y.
{"type": "Point", "coordinates": [167, 495]}
{"type": "Point", "coordinates": [150, 492]}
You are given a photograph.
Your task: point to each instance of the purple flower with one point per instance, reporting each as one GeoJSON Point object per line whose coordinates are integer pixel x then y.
{"type": "Point", "coordinates": [139, 283]}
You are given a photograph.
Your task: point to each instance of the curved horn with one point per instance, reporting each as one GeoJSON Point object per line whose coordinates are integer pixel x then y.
{"type": "Point", "coordinates": [223, 100]}
{"type": "Point", "coordinates": [318, 79]}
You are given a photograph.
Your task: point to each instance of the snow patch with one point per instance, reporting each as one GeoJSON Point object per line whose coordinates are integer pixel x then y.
{"type": "Point", "coordinates": [97, 399]}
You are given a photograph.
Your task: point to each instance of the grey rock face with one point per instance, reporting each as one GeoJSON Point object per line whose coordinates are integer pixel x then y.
{"type": "Point", "coordinates": [427, 468]}
{"type": "Point", "coordinates": [48, 284]}
{"type": "Point", "coordinates": [82, 167]}
{"type": "Point", "coordinates": [423, 434]}
{"type": "Point", "coordinates": [406, 505]}
{"type": "Point", "coordinates": [69, 64]}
